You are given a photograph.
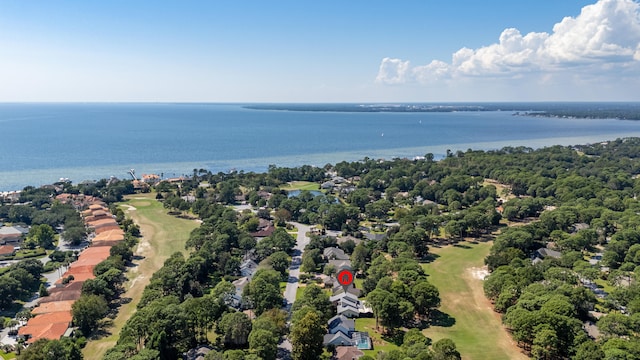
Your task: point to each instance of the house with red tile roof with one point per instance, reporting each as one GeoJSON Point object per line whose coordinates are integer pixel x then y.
{"type": "Point", "coordinates": [51, 307]}
{"type": "Point", "coordinates": [7, 251]}
{"type": "Point", "coordinates": [92, 256]}
{"type": "Point", "coordinates": [51, 318]}
{"type": "Point", "coordinates": [51, 331]}
{"type": "Point", "coordinates": [79, 273]}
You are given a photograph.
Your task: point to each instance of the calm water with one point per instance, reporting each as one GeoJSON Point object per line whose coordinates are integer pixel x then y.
{"type": "Point", "coordinates": [40, 143]}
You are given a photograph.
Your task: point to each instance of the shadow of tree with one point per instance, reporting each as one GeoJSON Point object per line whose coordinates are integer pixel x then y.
{"type": "Point", "coordinates": [429, 258]}
{"type": "Point", "coordinates": [462, 246]}
{"type": "Point", "coordinates": [101, 331]}
{"type": "Point", "coordinates": [396, 337]}
{"type": "Point", "coordinates": [439, 318]}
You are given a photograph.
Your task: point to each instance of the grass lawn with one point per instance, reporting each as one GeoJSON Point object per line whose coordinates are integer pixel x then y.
{"type": "Point", "coordinates": [300, 185]}
{"type": "Point", "coordinates": [7, 356]}
{"type": "Point", "coordinates": [379, 344]}
{"type": "Point", "coordinates": [467, 315]}
{"type": "Point", "coordinates": [604, 285]}
{"type": "Point", "coordinates": [162, 235]}
{"type": "Point", "coordinates": [300, 291]}
{"type": "Point", "coordinates": [357, 282]}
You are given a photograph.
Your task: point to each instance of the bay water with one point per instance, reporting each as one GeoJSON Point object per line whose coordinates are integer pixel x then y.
{"type": "Point", "coordinates": [41, 143]}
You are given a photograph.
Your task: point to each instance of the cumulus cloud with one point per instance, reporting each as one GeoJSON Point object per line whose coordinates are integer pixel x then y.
{"type": "Point", "coordinates": [392, 71]}
{"type": "Point", "coordinates": [605, 36]}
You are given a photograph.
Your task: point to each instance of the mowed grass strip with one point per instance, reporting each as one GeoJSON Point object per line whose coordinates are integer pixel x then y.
{"type": "Point", "coordinates": [300, 185]}
{"type": "Point", "coordinates": [162, 235]}
{"type": "Point", "coordinates": [477, 330]}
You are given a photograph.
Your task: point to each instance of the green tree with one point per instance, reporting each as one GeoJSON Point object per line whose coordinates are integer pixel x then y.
{"type": "Point", "coordinates": [43, 235]}
{"type": "Point", "coordinates": [74, 235]}
{"type": "Point", "coordinates": [307, 336]}
{"type": "Point", "coordinates": [279, 261]}
{"type": "Point", "coordinates": [263, 292]}
{"type": "Point", "coordinates": [445, 349]}
{"type": "Point", "coordinates": [235, 328]}
{"type": "Point", "coordinates": [44, 349]}
{"type": "Point", "coordinates": [263, 343]}
{"type": "Point", "coordinates": [311, 259]}
{"type": "Point", "coordinates": [316, 298]}
{"type": "Point", "coordinates": [10, 290]}
{"type": "Point", "coordinates": [425, 297]}
{"type": "Point", "coordinates": [88, 310]}
{"type": "Point", "coordinates": [545, 343]}
{"type": "Point", "coordinates": [589, 350]}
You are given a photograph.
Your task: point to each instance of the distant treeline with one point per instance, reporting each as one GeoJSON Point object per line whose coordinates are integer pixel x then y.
{"type": "Point", "coordinates": [623, 111]}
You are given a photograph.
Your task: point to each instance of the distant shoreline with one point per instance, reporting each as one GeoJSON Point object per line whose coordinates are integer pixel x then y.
{"type": "Point", "coordinates": [618, 111]}
{"type": "Point", "coordinates": [15, 180]}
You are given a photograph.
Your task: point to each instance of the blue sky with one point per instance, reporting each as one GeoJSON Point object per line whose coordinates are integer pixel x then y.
{"type": "Point", "coordinates": [321, 51]}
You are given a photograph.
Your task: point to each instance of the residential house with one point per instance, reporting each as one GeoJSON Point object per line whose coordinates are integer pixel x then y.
{"type": "Point", "coordinates": [337, 339]}
{"type": "Point", "coordinates": [198, 353]}
{"type": "Point", "coordinates": [340, 263]}
{"type": "Point", "coordinates": [53, 307]}
{"type": "Point", "coordinates": [152, 179]}
{"type": "Point", "coordinates": [343, 239]}
{"type": "Point", "coordinates": [342, 332]}
{"type": "Point", "coordinates": [546, 252]}
{"type": "Point", "coordinates": [349, 305]}
{"type": "Point", "coordinates": [338, 289]}
{"type": "Point", "coordinates": [235, 300]}
{"type": "Point", "coordinates": [347, 353]}
{"type": "Point", "coordinates": [374, 236]}
{"type": "Point", "coordinates": [248, 268]}
{"type": "Point", "coordinates": [12, 234]}
{"type": "Point", "coordinates": [51, 331]}
{"type": "Point", "coordinates": [341, 323]}
{"type": "Point", "coordinates": [328, 185]}
{"type": "Point", "coordinates": [334, 253]}
{"type": "Point", "coordinates": [7, 251]}
{"type": "Point", "coordinates": [263, 232]}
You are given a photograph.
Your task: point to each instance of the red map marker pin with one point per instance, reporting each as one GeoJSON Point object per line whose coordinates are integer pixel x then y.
{"type": "Point", "coordinates": [345, 278]}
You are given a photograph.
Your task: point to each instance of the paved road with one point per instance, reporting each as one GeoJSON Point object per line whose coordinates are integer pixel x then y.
{"type": "Point", "coordinates": [294, 270]}
{"type": "Point", "coordinates": [284, 348]}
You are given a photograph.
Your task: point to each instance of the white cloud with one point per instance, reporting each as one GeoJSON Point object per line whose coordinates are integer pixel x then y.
{"type": "Point", "coordinates": [603, 38]}
{"type": "Point", "coordinates": [392, 71]}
